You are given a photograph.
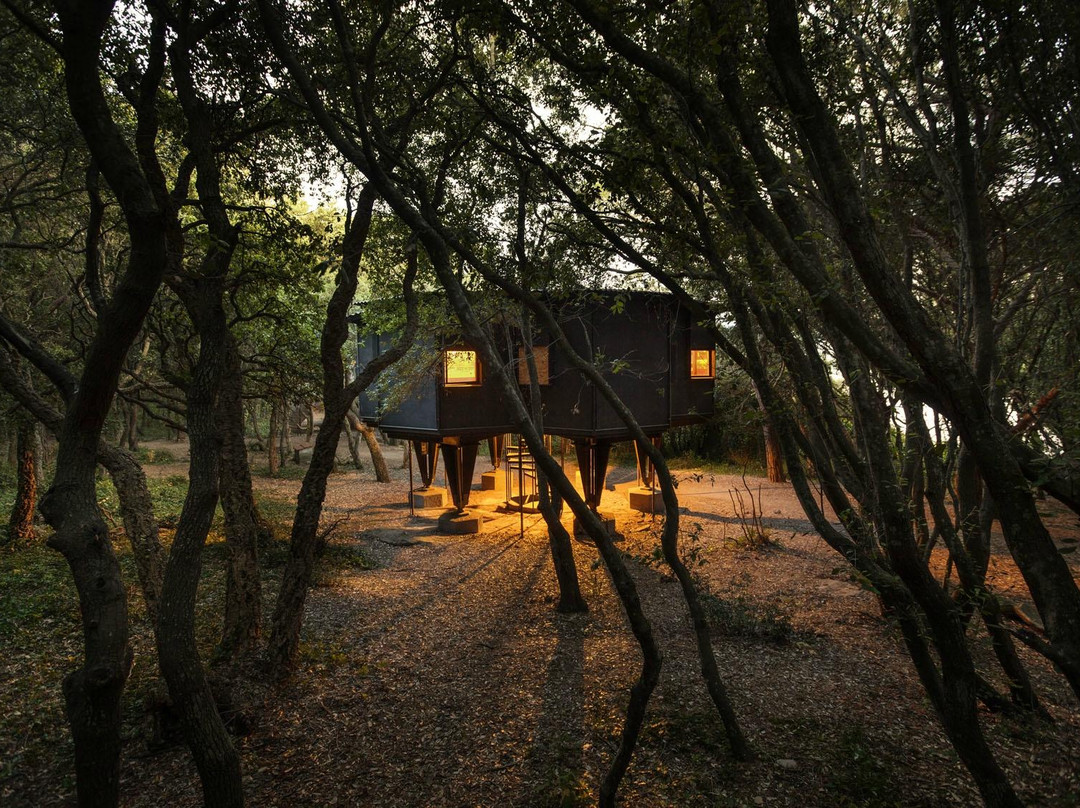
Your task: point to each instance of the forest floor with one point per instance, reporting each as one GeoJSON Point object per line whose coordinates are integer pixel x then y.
{"type": "Point", "coordinates": [434, 670]}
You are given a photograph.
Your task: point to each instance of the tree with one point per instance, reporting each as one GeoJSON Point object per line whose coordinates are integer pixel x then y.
{"type": "Point", "coordinates": [92, 693]}
{"type": "Point", "coordinates": [416, 197]}
{"type": "Point", "coordinates": [717, 141]}
{"type": "Point", "coordinates": [21, 523]}
{"type": "Point", "coordinates": [338, 397]}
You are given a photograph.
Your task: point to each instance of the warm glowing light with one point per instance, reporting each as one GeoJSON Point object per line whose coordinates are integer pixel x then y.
{"type": "Point", "coordinates": [540, 355]}
{"type": "Point", "coordinates": [701, 365]}
{"type": "Point", "coordinates": [462, 367]}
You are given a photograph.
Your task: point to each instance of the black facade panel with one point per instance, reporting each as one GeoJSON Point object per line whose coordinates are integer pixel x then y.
{"type": "Point", "coordinates": [628, 335]}
{"type": "Point", "coordinates": [691, 399]}
{"type": "Point", "coordinates": [641, 341]}
{"type": "Point", "coordinates": [429, 408]}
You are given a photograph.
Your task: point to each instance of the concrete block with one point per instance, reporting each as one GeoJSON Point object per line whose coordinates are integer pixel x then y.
{"type": "Point", "coordinates": [646, 500]}
{"type": "Point", "coordinates": [428, 498]}
{"type": "Point", "coordinates": [459, 524]}
{"type": "Point", "coordinates": [607, 520]}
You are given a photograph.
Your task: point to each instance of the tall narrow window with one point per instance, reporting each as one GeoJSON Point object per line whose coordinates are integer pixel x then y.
{"type": "Point", "coordinates": [701, 365]}
{"type": "Point", "coordinates": [540, 355]}
{"type": "Point", "coordinates": [462, 367]}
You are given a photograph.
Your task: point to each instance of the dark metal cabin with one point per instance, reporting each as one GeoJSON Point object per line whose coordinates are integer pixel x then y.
{"type": "Point", "coordinates": [441, 400]}
{"type": "Point", "coordinates": [655, 357]}
{"type": "Point", "coordinates": [444, 392]}
{"type": "Point", "coordinates": [657, 360]}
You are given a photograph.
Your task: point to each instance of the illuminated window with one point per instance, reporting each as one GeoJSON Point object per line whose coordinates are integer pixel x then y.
{"type": "Point", "coordinates": [462, 367]}
{"type": "Point", "coordinates": [701, 365]}
{"type": "Point", "coordinates": [540, 355]}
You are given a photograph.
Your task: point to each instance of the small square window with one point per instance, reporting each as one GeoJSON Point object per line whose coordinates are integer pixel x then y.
{"type": "Point", "coordinates": [461, 367]}
{"type": "Point", "coordinates": [702, 365]}
{"type": "Point", "coordinates": [540, 355]}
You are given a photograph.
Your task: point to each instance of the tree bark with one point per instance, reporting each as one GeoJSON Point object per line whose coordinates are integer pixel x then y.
{"type": "Point", "coordinates": [201, 292]}
{"type": "Point", "coordinates": [774, 459]}
{"type": "Point", "coordinates": [244, 528]}
{"type": "Point", "coordinates": [303, 545]}
{"type": "Point", "coordinates": [562, 549]}
{"type": "Point", "coordinates": [21, 522]}
{"type": "Point", "coordinates": [382, 470]}
{"type": "Point", "coordinates": [92, 693]}
{"type": "Point", "coordinates": [273, 453]}
{"type": "Point", "coordinates": [353, 439]}
{"type": "Point", "coordinates": [215, 756]}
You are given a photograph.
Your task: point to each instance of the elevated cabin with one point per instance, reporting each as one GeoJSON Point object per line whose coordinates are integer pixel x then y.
{"type": "Point", "coordinates": [658, 360]}
{"type": "Point", "coordinates": [440, 399]}
{"type": "Point", "coordinates": [647, 345]}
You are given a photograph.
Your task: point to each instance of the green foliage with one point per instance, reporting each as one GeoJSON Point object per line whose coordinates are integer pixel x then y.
{"type": "Point", "coordinates": [155, 456]}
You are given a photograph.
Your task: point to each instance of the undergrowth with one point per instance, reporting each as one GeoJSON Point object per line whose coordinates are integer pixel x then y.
{"type": "Point", "coordinates": [734, 616]}
{"type": "Point", "coordinates": [41, 630]}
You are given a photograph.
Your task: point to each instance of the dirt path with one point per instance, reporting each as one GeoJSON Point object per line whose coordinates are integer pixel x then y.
{"type": "Point", "coordinates": [436, 673]}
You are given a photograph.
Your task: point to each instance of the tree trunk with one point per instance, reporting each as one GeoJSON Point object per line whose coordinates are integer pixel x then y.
{"type": "Point", "coordinates": [283, 442]}
{"type": "Point", "coordinates": [21, 523]}
{"type": "Point", "coordinates": [215, 756]}
{"type": "Point", "coordinates": [140, 524]}
{"type": "Point", "coordinates": [382, 471]}
{"type": "Point", "coordinates": [92, 692]}
{"type": "Point", "coordinates": [129, 439]}
{"type": "Point", "coordinates": [289, 610]}
{"type": "Point", "coordinates": [273, 454]}
{"type": "Point", "coordinates": [353, 439]}
{"type": "Point", "coordinates": [243, 526]}
{"type": "Point", "coordinates": [774, 457]}
{"type": "Point", "coordinates": [338, 399]}
{"type": "Point", "coordinates": [562, 549]}
{"type": "Point", "coordinates": [201, 293]}
{"type": "Point", "coordinates": [571, 600]}
{"type": "Point", "coordinates": [774, 460]}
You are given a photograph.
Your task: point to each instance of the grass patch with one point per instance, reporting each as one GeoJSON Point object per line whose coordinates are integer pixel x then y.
{"type": "Point", "coordinates": [154, 456]}
{"type": "Point", "coordinates": [684, 462]}
{"type": "Point", "coordinates": [166, 493]}
{"type": "Point", "coordinates": [742, 617]}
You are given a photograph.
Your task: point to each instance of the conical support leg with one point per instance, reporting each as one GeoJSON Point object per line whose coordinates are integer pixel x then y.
{"type": "Point", "coordinates": [459, 462]}
{"type": "Point", "coordinates": [427, 458]}
{"type": "Point", "coordinates": [592, 456]}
